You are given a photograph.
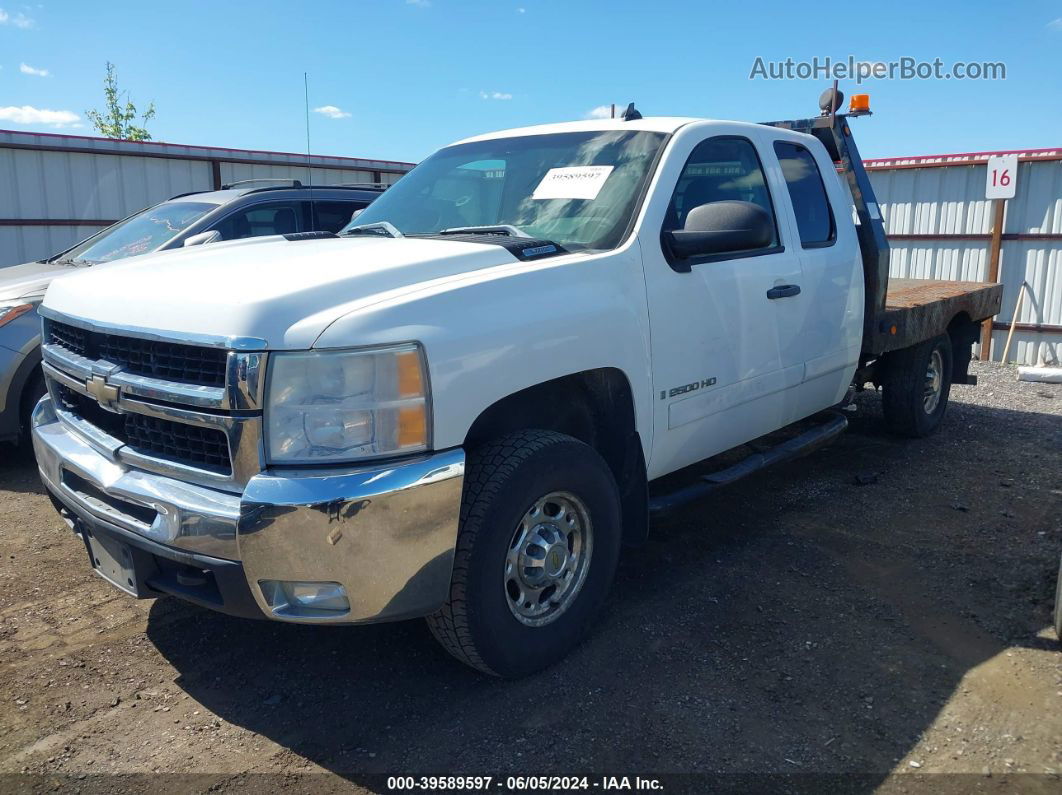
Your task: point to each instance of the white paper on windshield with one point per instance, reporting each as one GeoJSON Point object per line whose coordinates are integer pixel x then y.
{"type": "Point", "coordinates": [572, 182]}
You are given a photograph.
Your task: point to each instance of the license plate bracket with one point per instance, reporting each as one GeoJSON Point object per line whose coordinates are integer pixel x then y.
{"type": "Point", "coordinates": [112, 559]}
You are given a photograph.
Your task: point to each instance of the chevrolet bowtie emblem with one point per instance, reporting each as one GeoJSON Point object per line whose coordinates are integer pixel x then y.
{"type": "Point", "coordinates": [105, 394]}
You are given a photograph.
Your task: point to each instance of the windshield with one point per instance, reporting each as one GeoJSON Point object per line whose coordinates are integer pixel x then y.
{"type": "Point", "coordinates": [141, 233]}
{"type": "Point", "coordinates": [576, 189]}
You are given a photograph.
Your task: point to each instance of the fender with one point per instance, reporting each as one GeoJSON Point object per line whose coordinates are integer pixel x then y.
{"type": "Point", "coordinates": [502, 330]}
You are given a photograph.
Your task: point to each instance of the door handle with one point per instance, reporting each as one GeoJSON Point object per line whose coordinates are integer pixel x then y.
{"type": "Point", "coordinates": [783, 291]}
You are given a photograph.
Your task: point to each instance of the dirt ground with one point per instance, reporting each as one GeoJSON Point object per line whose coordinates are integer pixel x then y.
{"type": "Point", "coordinates": [872, 630]}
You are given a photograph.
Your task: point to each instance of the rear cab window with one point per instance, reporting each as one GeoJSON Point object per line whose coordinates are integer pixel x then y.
{"type": "Point", "coordinates": [811, 206]}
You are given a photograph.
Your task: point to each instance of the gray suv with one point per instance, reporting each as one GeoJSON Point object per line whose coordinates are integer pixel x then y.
{"type": "Point", "coordinates": [236, 211]}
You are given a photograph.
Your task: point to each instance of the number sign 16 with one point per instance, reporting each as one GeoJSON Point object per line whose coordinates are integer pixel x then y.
{"type": "Point", "coordinates": [1002, 178]}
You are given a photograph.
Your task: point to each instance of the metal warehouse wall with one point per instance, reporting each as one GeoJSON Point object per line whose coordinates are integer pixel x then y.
{"type": "Point", "coordinates": [940, 227]}
{"type": "Point", "coordinates": [58, 189]}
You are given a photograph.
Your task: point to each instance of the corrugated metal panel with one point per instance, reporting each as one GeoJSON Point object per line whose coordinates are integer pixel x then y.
{"type": "Point", "coordinates": [934, 201]}
{"type": "Point", "coordinates": [70, 185]}
{"type": "Point", "coordinates": [1037, 207]}
{"type": "Point", "coordinates": [234, 172]}
{"type": "Point", "coordinates": [25, 243]}
{"type": "Point", "coordinates": [961, 261]}
{"type": "Point", "coordinates": [949, 200]}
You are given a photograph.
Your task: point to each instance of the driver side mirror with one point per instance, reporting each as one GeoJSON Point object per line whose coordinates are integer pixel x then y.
{"type": "Point", "coordinates": [719, 228]}
{"type": "Point", "coordinates": [203, 238]}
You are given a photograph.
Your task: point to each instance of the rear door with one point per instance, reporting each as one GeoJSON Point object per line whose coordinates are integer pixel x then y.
{"type": "Point", "coordinates": [725, 345]}
{"type": "Point", "coordinates": [824, 239]}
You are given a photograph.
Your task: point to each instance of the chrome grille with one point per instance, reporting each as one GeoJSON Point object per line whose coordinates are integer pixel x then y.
{"type": "Point", "coordinates": [171, 361]}
{"type": "Point", "coordinates": [188, 407]}
{"type": "Point", "coordinates": [206, 448]}
{"type": "Point", "coordinates": [191, 445]}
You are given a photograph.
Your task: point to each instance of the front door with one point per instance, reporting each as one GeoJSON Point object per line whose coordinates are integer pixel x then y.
{"type": "Point", "coordinates": [726, 350]}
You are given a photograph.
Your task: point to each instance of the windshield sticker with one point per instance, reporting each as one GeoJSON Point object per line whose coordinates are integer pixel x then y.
{"type": "Point", "coordinates": [572, 182]}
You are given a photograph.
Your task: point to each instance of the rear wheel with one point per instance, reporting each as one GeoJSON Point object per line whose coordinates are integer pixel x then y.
{"type": "Point", "coordinates": [916, 387]}
{"type": "Point", "coordinates": [537, 549]}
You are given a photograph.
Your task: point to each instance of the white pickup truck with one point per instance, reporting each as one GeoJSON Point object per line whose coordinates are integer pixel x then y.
{"type": "Point", "coordinates": [457, 408]}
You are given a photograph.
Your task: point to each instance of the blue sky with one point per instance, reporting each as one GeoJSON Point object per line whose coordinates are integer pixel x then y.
{"type": "Point", "coordinates": [407, 76]}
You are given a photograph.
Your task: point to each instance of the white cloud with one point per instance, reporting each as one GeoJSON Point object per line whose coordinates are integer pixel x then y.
{"type": "Point", "coordinates": [27, 114]}
{"type": "Point", "coordinates": [600, 112]}
{"type": "Point", "coordinates": [19, 20]}
{"type": "Point", "coordinates": [26, 69]}
{"type": "Point", "coordinates": [418, 3]}
{"type": "Point", "coordinates": [332, 112]}
{"type": "Point", "coordinates": [494, 95]}
{"type": "Point", "coordinates": [521, 10]}
{"type": "Point", "coordinates": [1055, 24]}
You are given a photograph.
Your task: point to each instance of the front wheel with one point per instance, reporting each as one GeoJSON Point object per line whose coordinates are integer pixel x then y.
{"type": "Point", "coordinates": [916, 387]}
{"type": "Point", "coordinates": [536, 553]}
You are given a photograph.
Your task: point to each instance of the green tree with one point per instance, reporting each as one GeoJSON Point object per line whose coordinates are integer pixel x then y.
{"type": "Point", "coordinates": [117, 121]}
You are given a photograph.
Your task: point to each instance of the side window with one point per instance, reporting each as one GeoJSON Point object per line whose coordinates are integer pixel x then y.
{"type": "Point", "coordinates": [810, 204]}
{"type": "Point", "coordinates": [331, 216]}
{"type": "Point", "coordinates": [720, 169]}
{"type": "Point", "coordinates": [280, 218]}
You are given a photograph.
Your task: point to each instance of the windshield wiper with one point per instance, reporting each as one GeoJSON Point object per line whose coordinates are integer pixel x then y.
{"type": "Point", "coordinates": [77, 263]}
{"type": "Point", "coordinates": [495, 229]}
{"type": "Point", "coordinates": [378, 228]}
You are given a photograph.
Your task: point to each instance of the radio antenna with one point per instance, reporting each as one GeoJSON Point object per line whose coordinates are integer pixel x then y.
{"type": "Point", "coordinates": [309, 173]}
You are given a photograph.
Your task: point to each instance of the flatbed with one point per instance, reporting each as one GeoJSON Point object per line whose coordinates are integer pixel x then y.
{"type": "Point", "coordinates": [920, 309]}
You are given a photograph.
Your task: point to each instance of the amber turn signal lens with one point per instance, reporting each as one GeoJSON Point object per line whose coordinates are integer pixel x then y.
{"type": "Point", "coordinates": [410, 378]}
{"type": "Point", "coordinates": [412, 427]}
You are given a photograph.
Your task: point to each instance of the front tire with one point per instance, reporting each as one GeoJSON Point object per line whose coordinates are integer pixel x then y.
{"type": "Point", "coordinates": [916, 387]}
{"type": "Point", "coordinates": [536, 553]}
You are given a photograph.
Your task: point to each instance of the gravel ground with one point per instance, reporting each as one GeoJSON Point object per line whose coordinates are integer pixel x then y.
{"type": "Point", "coordinates": [806, 622]}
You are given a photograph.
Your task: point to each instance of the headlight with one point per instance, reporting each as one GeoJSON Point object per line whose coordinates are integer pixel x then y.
{"type": "Point", "coordinates": [9, 312]}
{"type": "Point", "coordinates": [324, 406]}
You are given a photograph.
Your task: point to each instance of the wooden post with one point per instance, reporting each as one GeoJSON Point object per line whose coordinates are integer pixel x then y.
{"type": "Point", "coordinates": [993, 273]}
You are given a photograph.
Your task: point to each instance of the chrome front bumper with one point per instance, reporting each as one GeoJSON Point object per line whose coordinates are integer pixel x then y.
{"type": "Point", "coordinates": [386, 533]}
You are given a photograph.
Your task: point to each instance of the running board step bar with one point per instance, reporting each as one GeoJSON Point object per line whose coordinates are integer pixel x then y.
{"type": "Point", "coordinates": [812, 439]}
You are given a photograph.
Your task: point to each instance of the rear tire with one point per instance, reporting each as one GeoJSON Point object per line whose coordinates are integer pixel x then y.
{"type": "Point", "coordinates": [539, 509]}
{"type": "Point", "coordinates": [916, 387]}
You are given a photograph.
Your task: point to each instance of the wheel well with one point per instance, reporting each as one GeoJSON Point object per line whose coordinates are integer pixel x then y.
{"type": "Point", "coordinates": [593, 406]}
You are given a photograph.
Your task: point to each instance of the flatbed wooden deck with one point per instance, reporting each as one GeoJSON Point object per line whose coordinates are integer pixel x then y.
{"type": "Point", "coordinates": [919, 309]}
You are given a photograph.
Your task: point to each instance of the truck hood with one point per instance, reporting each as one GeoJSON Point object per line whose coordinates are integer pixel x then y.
{"type": "Point", "coordinates": [283, 292]}
{"type": "Point", "coordinates": [28, 282]}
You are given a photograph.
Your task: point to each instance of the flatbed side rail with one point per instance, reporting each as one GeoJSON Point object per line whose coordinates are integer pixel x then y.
{"type": "Point", "coordinates": [835, 134]}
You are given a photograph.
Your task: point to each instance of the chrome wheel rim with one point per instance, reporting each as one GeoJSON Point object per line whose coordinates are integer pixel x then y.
{"type": "Point", "coordinates": [934, 382]}
{"type": "Point", "coordinates": [548, 558]}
